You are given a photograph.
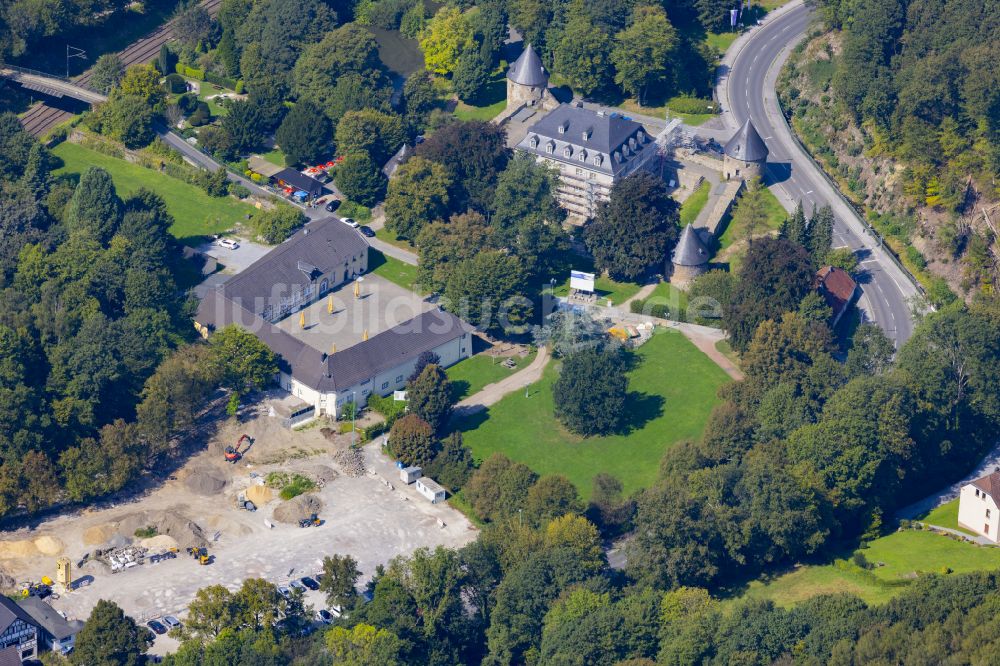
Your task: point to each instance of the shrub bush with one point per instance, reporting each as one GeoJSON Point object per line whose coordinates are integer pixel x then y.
{"type": "Point", "coordinates": [175, 83]}
{"type": "Point", "coordinates": [297, 485]}
{"type": "Point", "coordinates": [218, 80]}
{"type": "Point", "coordinates": [201, 115]}
{"type": "Point", "coordinates": [688, 104]}
{"type": "Point", "coordinates": [147, 532]}
{"type": "Point", "coordinates": [192, 73]}
{"type": "Point", "coordinates": [239, 87]}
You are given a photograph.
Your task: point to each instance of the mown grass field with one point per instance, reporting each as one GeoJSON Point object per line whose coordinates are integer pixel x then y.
{"type": "Point", "coordinates": [672, 390]}
{"type": "Point", "coordinates": [903, 554]}
{"type": "Point", "coordinates": [393, 270]}
{"type": "Point", "coordinates": [471, 375]}
{"type": "Point", "coordinates": [735, 232]}
{"type": "Point", "coordinates": [195, 214]}
{"type": "Point", "coordinates": [946, 515]}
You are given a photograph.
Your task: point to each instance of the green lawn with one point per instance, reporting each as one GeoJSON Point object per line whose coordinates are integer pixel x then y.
{"type": "Point", "coordinates": [275, 157]}
{"type": "Point", "coordinates": [606, 288]}
{"type": "Point", "coordinates": [668, 294]}
{"type": "Point", "coordinates": [721, 41]}
{"type": "Point", "coordinates": [945, 515]}
{"type": "Point", "coordinates": [195, 213]}
{"type": "Point", "coordinates": [672, 390]}
{"type": "Point", "coordinates": [472, 374]}
{"type": "Point", "coordinates": [487, 112]}
{"type": "Point", "coordinates": [206, 90]}
{"type": "Point", "coordinates": [393, 270]}
{"type": "Point", "coordinates": [694, 203]}
{"type": "Point", "coordinates": [902, 553]}
{"type": "Point", "coordinates": [660, 111]}
{"type": "Point", "coordinates": [776, 214]}
{"type": "Point", "coordinates": [391, 238]}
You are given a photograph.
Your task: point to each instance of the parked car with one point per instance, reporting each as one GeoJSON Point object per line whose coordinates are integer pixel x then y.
{"type": "Point", "coordinates": [332, 205]}
{"type": "Point", "coordinates": [310, 583]}
{"type": "Point", "coordinates": [228, 243]}
{"type": "Point", "coordinates": [284, 591]}
{"type": "Point", "coordinates": [324, 616]}
{"type": "Point", "coordinates": [157, 626]}
{"type": "Point", "coordinates": [336, 611]}
{"type": "Point", "coordinates": [297, 584]}
{"type": "Point", "coordinates": [171, 621]}
{"type": "Point", "coordinates": [349, 222]}
{"type": "Point", "coordinates": [366, 231]}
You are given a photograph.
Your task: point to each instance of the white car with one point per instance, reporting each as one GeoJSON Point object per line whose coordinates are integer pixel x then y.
{"type": "Point", "coordinates": [228, 243]}
{"type": "Point", "coordinates": [349, 222]}
{"type": "Point", "coordinates": [324, 616]}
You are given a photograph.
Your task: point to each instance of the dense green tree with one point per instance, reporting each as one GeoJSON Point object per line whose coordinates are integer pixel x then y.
{"type": "Point", "coordinates": [95, 209]}
{"type": "Point", "coordinates": [583, 54]}
{"type": "Point", "coordinates": [590, 393]}
{"type": "Point", "coordinates": [795, 227]}
{"type": "Point", "coordinates": [282, 30]}
{"type": "Point", "coordinates": [365, 645]}
{"type": "Point", "coordinates": [472, 73]}
{"type": "Point", "coordinates": [275, 225]}
{"type": "Point", "coordinates": [126, 118]}
{"type": "Point", "coordinates": [453, 464]}
{"type": "Point", "coordinates": [242, 125]}
{"type": "Point", "coordinates": [550, 497]}
{"type": "Point", "coordinates": [642, 52]}
{"type": "Point", "coordinates": [419, 98]}
{"type": "Point", "coordinates": [360, 179]}
{"type": "Point", "coordinates": [417, 196]}
{"type": "Point", "coordinates": [447, 36]}
{"type": "Point", "coordinates": [871, 351]}
{"type": "Point", "coordinates": [258, 603]}
{"type": "Point", "coordinates": [488, 291]}
{"type": "Point", "coordinates": [107, 72]}
{"type": "Point", "coordinates": [475, 153]}
{"type": "Point", "coordinates": [820, 235]}
{"type": "Point", "coordinates": [708, 296]}
{"type": "Point", "coordinates": [373, 132]}
{"type": "Point", "coordinates": [773, 279]}
{"type": "Point", "coordinates": [526, 218]}
{"type": "Point", "coordinates": [247, 365]}
{"type": "Point", "coordinates": [192, 25]}
{"type": "Point", "coordinates": [304, 134]}
{"type": "Point", "coordinates": [499, 487]}
{"type": "Point", "coordinates": [109, 637]}
{"type": "Point", "coordinates": [412, 442]}
{"type": "Point", "coordinates": [213, 609]}
{"type": "Point", "coordinates": [340, 580]}
{"type": "Point", "coordinates": [444, 245]}
{"type": "Point", "coordinates": [429, 396]}
{"type": "Point", "coordinates": [636, 229]}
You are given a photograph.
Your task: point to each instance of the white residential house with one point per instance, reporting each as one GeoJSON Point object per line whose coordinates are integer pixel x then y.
{"type": "Point", "coordinates": [977, 506]}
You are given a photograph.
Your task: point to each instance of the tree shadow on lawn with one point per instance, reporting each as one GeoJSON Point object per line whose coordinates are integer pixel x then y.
{"type": "Point", "coordinates": [459, 389]}
{"type": "Point", "coordinates": [640, 409]}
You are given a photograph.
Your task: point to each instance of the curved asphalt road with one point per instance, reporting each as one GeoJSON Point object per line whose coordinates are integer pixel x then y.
{"type": "Point", "coordinates": [747, 89]}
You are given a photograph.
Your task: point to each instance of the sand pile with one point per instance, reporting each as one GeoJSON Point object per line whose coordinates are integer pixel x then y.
{"type": "Point", "coordinates": [259, 495]}
{"type": "Point", "coordinates": [49, 545]}
{"type": "Point", "coordinates": [323, 474]}
{"type": "Point", "coordinates": [159, 543]}
{"type": "Point", "coordinates": [204, 483]}
{"type": "Point", "coordinates": [297, 508]}
{"type": "Point", "coordinates": [95, 536]}
{"type": "Point", "coordinates": [11, 550]}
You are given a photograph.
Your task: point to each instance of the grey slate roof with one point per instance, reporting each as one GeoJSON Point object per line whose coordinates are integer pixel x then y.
{"type": "Point", "coordinates": [10, 611]}
{"type": "Point", "coordinates": [690, 251]}
{"type": "Point", "coordinates": [344, 369]}
{"type": "Point", "coordinates": [746, 144]}
{"type": "Point", "coordinates": [591, 134]}
{"type": "Point", "coordinates": [48, 619]}
{"type": "Point", "coordinates": [324, 245]}
{"type": "Point", "coordinates": [527, 70]}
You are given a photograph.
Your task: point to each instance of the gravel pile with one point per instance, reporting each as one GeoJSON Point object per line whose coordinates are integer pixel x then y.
{"type": "Point", "coordinates": [351, 462]}
{"type": "Point", "coordinates": [295, 509]}
{"type": "Point", "coordinates": [204, 483]}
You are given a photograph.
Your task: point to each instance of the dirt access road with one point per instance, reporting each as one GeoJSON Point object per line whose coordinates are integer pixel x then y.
{"type": "Point", "coordinates": [362, 517]}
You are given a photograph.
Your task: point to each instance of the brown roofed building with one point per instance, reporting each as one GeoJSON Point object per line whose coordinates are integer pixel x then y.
{"type": "Point", "coordinates": [838, 288]}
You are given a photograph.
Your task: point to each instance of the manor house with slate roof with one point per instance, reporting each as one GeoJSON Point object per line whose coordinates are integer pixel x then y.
{"type": "Point", "coordinates": [592, 150]}
{"type": "Point", "coordinates": [321, 257]}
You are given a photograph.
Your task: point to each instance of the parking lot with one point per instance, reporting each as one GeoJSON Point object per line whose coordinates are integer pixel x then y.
{"type": "Point", "coordinates": [235, 261]}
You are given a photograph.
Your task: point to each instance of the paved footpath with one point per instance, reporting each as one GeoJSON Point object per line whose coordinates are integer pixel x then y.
{"type": "Point", "coordinates": [492, 393]}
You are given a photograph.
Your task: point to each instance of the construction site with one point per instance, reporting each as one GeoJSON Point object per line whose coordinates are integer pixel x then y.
{"type": "Point", "coordinates": [220, 519]}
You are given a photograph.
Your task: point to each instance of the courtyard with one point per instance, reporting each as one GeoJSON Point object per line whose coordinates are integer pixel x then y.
{"type": "Point", "coordinates": [380, 305]}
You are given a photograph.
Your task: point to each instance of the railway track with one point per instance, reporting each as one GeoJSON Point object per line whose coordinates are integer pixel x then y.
{"type": "Point", "coordinates": [42, 117]}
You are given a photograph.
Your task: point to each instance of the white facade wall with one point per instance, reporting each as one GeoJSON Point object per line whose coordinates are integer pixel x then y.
{"type": "Point", "coordinates": [978, 512]}
{"type": "Point", "coordinates": [384, 383]}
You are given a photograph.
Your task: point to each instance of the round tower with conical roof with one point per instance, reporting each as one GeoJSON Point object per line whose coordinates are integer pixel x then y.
{"type": "Point", "coordinates": [527, 81]}
{"type": "Point", "coordinates": [690, 258]}
{"type": "Point", "coordinates": [745, 154]}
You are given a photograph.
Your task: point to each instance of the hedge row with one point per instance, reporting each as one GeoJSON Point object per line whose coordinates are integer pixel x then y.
{"type": "Point", "coordinates": [190, 72]}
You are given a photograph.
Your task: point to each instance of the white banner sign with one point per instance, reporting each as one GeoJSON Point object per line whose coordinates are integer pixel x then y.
{"type": "Point", "coordinates": [581, 281]}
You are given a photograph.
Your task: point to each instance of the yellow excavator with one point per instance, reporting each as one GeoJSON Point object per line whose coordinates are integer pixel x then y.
{"type": "Point", "coordinates": [200, 554]}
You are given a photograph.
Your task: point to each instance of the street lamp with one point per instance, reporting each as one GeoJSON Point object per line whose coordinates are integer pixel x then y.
{"type": "Point", "coordinates": [73, 52]}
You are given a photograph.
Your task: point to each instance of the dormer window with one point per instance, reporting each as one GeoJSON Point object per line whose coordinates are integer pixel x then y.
{"type": "Point", "coordinates": [533, 142]}
{"type": "Point", "coordinates": [567, 151]}
{"type": "Point", "coordinates": [563, 126]}
{"type": "Point", "coordinates": [598, 159]}
{"type": "Point", "coordinates": [641, 135]}
{"type": "Point", "coordinates": [583, 155]}
{"type": "Point", "coordinates": [631, 143]}
{"type": "Point", "coordinates": [587, 133]}
{"type": "Point", "coordinates": [618, 156]}
{"type": "Point", "coordinates": [549, 147]}
{"type": "Point", "coordinates": [625, 150]}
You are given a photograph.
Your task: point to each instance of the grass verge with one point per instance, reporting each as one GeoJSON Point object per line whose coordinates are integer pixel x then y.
{"type": "Point", "coordinates": [693, 204]}
{"type": "Point", "coordinates": [606, 288]}
{"type": "Point", "coordinates": [393, 270]}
